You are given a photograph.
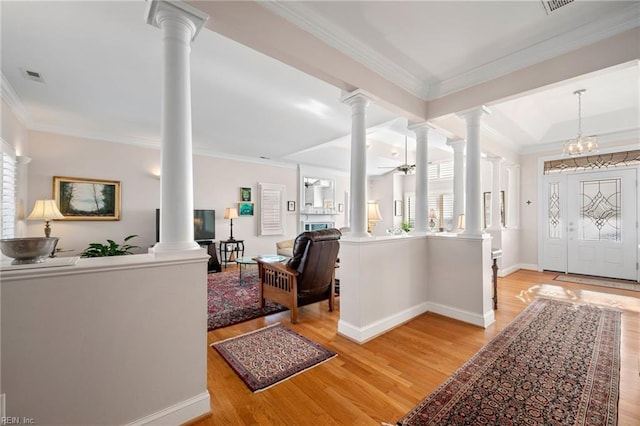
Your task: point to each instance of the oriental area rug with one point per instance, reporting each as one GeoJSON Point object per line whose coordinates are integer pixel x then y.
{"type": "Point", "coordinates": [557, 363]}
{"type": "Point", "coordinates": [268, 356]}
{"type": "Point", "coordinates": [229, 302]}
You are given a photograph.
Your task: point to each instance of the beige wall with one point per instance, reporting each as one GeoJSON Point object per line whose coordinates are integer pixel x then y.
{"type": "Point", "coordinates": [217, 184]}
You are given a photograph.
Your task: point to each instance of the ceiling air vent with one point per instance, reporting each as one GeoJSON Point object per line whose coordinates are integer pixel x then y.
{"type": "Point", "coordinates": [553, 5]}
{"type": "Point", "coordinates": [33, 75]}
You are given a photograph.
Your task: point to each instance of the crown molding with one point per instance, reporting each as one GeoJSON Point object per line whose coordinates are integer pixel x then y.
{"type": "Point", "coordinates": [301, 16]}
{"type": "Point", "coordinates": [624, 20]}
{"type": "Point", "coordinates": [13, 100]}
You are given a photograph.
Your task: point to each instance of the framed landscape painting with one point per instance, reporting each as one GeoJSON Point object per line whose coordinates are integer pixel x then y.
{"type": "Point", "coordinates": [87, 199]}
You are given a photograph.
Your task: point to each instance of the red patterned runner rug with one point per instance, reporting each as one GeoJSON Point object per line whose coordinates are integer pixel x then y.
{"type": "Point", "coordinates": [229, 302]}
{"type": "Point", "coordinates": [268, 356]}
{"type": "Point", "coordinates": [557, 363]}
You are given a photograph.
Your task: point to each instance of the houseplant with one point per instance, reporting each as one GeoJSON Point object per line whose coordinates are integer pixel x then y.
{"type": "Point", "coordinates": [110, 249]}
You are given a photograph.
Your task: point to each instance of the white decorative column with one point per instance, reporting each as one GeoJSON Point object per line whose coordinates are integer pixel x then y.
{"type": "Point", "coordinates": [179, 23]}
{"type": "Point", "coordinates": [513, 196]}
{"type": "Point", "coordinates": [496, 223]}
{"type": "Point", "coordinates": [473, 205]}
{"type": "Point", "coordinates": [422, 176]}
{"type": "Point", "coordinates": [458, 146]}
{"type": "Point", "coordinates": [358, 100]}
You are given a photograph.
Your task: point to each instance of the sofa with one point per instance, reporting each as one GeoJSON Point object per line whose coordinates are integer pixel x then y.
{"type": "Point", "coordinates": [285, 248]}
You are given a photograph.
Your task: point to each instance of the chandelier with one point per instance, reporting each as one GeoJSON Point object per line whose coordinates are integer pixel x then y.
{"type": "Point", "coordinates": [581, 144]}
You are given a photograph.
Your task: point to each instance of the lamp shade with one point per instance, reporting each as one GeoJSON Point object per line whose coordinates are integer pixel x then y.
{"type": "Point", "coordinates": [432, 214]}
{"type": "Point", "coordinates": [373, 212]}
{"type": "Point", "coordinates": [230, 213]}
{"type": "Point", "coordinates": [45, 210]}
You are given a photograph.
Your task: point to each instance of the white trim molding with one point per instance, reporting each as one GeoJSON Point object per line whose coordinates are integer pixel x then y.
{"type": "Point", "coordinates": [14, 102]}
{"type": "Point", "coordinates": [179, 413]}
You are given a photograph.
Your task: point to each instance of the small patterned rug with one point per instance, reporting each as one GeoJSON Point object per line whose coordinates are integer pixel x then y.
{"type": "Point", "coordinates": [602, 282]}
{"type": "Point", "coordinates": [230, 303]}
{"type": "Point", "coordinates": [268, 356]}
{"type": "Point", "coordinates": [557, 363]}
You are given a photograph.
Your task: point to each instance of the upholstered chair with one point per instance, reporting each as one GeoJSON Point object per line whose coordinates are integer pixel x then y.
{"type": "Point", "coordinates": [307, 277]}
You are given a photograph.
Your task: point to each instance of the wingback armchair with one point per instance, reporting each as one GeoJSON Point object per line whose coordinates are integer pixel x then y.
{"type": "Point", "coordinates": [307, 277]}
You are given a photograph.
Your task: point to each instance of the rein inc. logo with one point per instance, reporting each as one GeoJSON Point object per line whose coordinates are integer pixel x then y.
{"type": "Point", "coordinates": [14, 420]}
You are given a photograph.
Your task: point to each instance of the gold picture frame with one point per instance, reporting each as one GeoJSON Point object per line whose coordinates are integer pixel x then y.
{"type": "Point", "coordinates": [87, 199]}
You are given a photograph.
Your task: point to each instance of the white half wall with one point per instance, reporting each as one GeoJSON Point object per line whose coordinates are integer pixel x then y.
{"type": "Point", "coordinates": [460, 278]}
{"type": "Point", "coordinates": [383, 283]}
{"type": "Point", "coordinates": [386, 281]}
{"type": "Point", "coordinates": [107, 341]}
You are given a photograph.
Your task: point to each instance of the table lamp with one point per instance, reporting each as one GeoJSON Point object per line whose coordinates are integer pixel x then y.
{"type": "Point", "coordinates": [231, 213]}
{"type": "Point", "coordinates": [460, 222]}
{"type": "Point", "coordinates": [432, 219]}
{"type": "Point", "coordinates": [45, 210]}
{"type": "Point", "coordinates": [373, 214]}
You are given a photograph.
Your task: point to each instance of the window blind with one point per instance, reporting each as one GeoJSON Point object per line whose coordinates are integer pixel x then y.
{"type": "Point", "coordinates": [8, 188]}
{"type": "Point", "coordinates": [271, 209]}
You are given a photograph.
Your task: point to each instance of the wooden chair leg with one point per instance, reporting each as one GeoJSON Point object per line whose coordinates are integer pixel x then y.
{"type": "Point", "coordinates": [332, 295]}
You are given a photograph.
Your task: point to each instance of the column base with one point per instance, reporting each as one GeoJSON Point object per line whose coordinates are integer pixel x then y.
{"type": "Point", "coordinates": [163, 247]}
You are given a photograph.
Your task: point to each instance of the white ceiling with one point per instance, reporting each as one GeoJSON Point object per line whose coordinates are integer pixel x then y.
{"type": "Point", "coordinates": [101, 66]}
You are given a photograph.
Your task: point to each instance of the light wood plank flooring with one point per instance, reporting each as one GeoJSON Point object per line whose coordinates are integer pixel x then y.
{"type": "Point", "coordinates": [383, 379]}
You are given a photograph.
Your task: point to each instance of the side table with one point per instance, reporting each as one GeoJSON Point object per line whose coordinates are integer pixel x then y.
{"type": "Point", "coordinates": [230, 250]}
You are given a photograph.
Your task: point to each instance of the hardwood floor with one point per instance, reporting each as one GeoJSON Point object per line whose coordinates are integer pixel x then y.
{"type": "Point", "coordinates": [383, 379]}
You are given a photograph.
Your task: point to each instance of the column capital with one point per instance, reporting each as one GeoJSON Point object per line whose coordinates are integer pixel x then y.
{"type": "Point", "coordinates": [157, 10]}
{"type": "Point", "coordinates": [512, 166]}
{"type": "Point", "coordinates": [358, 97]}
{"type": "Point", "coordinates": [456, 143]}
{"type": "Point", "coordinates": [474, 113]}
{"type": "Point", "coordinates": [495, 160]}
{"type": "Point", "coordinates": [421, 125]}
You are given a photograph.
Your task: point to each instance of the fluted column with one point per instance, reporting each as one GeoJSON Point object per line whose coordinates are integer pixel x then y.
{"type": "Point", "coordinates": [179, 24]}
{"type": "Point", "coordinates": [496, 222]}
{"type": "Point", "coordinates": [513, 196]}
{"type": "Point", "coordinates": [422, 179]}
{"type": "Point", "coordinates": [458, 146]}
{"type": "Point", "coordinates": [473, 211]}
{"type": "Point", "coordinates": [358, 100]}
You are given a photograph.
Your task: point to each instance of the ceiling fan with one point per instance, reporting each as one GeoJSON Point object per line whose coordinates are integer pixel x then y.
{"type": "Point", "coordinates": [405, 168]}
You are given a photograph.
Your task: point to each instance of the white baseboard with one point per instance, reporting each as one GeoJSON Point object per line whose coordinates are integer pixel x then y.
{"type": "Point", "coordinates": [470, 317]}
{"type": "Point", "coordinates": [510, 270]}
{"type": "Point", "coordinates": [529, 266]}
{"type": "Point", "coordinates": [370, 331]}
{"type": "Point", "coordinates": [179, 413]}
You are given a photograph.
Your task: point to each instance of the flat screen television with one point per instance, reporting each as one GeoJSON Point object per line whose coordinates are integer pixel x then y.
{"type": "Point", "coordinates": [204, 225]}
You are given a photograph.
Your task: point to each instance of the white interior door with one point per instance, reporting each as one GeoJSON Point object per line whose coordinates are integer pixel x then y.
{"type": "Point", "coordinates": [602, 230]}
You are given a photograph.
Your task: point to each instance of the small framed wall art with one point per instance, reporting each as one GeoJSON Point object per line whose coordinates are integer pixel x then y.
{"type": "Point", "coordinates": [245, 194]}
{"type": "Point", "coordinates": [245, 209]}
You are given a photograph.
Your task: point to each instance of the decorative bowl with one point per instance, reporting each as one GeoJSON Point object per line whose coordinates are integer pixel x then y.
{"type": "Point", "coordinates": [28, 250]}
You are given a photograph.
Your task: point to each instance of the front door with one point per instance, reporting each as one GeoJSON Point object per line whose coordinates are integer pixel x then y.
{"type": "Point", "coordinates": [601, 223]}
